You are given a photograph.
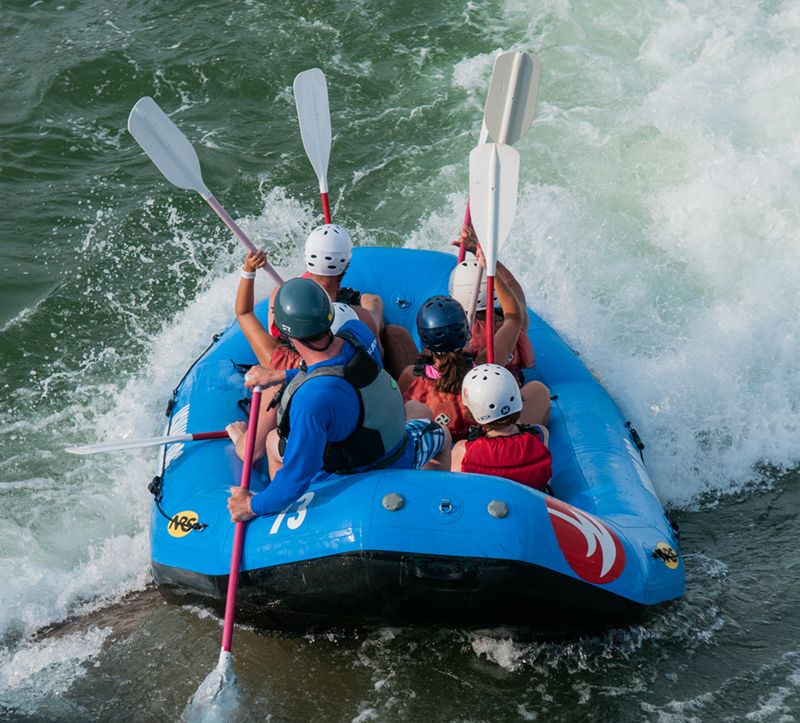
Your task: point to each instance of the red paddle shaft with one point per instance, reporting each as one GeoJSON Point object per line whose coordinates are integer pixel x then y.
{"type": "Point", "coordinates": [490, 319]}
{"type": "Point", "coordinates": [326, 208]}
{"type": "Point", "coordinates": [238, 535]}
{"type": "Point", "coordinates": [200, 436]}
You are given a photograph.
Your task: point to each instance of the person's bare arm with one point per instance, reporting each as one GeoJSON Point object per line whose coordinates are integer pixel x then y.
{"type": "Point", "coordinates": [365, 316]}
{"type": "Point", "coordinates": [261, 341]}
{"type": "Point", "coordinates": [469, 240]}
{"type": "Point", "coordinates": [512, 283]}
{"type": "Point", "coordinates": [457, 455]}
{"type": "Point", "coordinates": [374, 305]}
{"type": "Point", "coordinates": [406, 378]}
{"type": "Point", "coordinates": [505, 339]}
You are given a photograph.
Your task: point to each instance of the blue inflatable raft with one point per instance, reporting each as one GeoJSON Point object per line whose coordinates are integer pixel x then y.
{"type": "Point", "coordinates": [399, 548]}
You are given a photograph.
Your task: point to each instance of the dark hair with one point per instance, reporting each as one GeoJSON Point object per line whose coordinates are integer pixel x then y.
{"type": "Point", "coordinates": [512, 418]}
{"type": "Point", "coordinates": [318, 337]}
{"type": "Point", "coordinates": [314, 341]}
{"type": "Point", "coordinates": [338, 278]}
{"type": "Point", "coordinates": [452, 367]}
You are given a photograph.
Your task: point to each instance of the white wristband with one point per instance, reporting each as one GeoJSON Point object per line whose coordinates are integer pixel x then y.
{"type": "Point", "coordinates": [248, 274]}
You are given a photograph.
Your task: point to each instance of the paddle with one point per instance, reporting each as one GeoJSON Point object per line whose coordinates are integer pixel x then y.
{"type": "Point", "coordinates": [493, 179]}
{"type": "Point", "coordinates": [171, 151]}
{"type": "Point", "coordinates": [509, 111]}
{"type": "Point", "coordinates": [150, 442]}
{"type": "Point", "coordinates": [311, 99]}
{"type": "Point", "coordinates": [462, 251]}
{"type": "Point", "coordinates": [211, 697]}
{"type": "Point", "coordinates": [511, 101]}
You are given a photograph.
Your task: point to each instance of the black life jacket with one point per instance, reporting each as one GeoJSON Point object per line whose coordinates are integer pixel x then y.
{"type": "Point", "coordinates": [381, 417]}
{"type": "Point", "coordinates": [348, 296]}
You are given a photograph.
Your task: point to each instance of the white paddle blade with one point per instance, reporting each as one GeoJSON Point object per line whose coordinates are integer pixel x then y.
{"type": "Point", "coordinates": [217, 698]}
{"type": "Point", "coordinates": [511, 101]}
{"type": "Point", "coordinates": [493, 180]}
{"type": "Point", "coordinates": [311, 99]}
{"type": "Point", "coordinates": [167, 147]}
{"type": "Point", "coordinates": [130, 444]}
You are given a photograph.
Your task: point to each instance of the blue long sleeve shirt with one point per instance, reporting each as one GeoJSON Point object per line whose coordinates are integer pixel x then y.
{"type": "Point", "coordinates": [325, 409]}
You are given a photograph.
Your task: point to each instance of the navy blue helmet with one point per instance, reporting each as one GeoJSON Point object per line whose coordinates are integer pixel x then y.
{"type": "Point", "coordinates": [442, 324]}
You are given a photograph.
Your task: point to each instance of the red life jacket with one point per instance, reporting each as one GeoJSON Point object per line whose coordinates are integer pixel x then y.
{"type": "Point", "coordinates": [447, 408]}
{"type": "Point", "coordinates": [520, 457]}
{"type": "Point", "coordinates": [285, 357]}
{"type": "Point", "coordinates": [521, 356]}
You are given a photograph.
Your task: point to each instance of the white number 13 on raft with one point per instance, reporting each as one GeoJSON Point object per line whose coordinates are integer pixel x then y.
{"type": "Point", "coordinates": [293, 522]}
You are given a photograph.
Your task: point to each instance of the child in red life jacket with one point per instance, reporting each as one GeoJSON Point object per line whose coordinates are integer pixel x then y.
{"type": "Point", "coordinates": [436, 380]}
{"type": "Point", "coordinates": [499, 445]}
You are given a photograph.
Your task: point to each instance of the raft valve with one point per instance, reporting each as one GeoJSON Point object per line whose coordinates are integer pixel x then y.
{"type": "Point", "coordinates": [393, 502]}
{"type": "Point", "coordinates": [497, 509]}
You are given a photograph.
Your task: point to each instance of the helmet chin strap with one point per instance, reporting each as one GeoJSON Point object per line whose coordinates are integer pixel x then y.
{"type": "Point", "coordinates": [330, 337]}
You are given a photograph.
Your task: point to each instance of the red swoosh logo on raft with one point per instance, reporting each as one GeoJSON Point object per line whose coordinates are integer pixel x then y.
{"type": "Point", "coordinates": [592, 550]}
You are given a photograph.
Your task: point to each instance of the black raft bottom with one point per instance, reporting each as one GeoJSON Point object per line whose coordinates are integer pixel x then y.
{"type": "Point", "coordinates": [364, 590]}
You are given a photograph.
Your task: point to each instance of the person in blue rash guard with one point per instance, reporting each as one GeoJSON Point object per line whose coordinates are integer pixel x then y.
{"type": "Point", "coordinates": [326, 409]}
{"type": "Point", "coordinates": [318, 432]}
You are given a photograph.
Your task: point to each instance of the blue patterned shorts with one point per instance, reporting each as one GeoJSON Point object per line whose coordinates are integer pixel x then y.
{"type": "Point", "coordinates": [428, 440]}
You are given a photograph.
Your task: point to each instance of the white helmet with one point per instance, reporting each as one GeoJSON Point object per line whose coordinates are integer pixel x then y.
{"type": "Point", "coordinates": [490, 392]}
{"type": "Point", "coordinates": [462, 281]}
{"type": "Point", "coordinates": [341, 313]}
{"type": "Point", "coordinates": [328, 250]}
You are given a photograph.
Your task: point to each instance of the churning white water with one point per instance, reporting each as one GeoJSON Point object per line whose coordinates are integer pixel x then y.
{"type": "Point", "coordinates": [657, 230]}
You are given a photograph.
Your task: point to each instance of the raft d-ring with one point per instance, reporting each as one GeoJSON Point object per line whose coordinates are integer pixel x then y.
{"type": "Point", "coordinates": [402, 300]}
{"type": "Point", "coordinates": [446, 510]}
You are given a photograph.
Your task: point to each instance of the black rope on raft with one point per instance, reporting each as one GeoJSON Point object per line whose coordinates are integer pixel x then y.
{"type": "Point", "coordinates": [239, 367]}
{"type": "Point", "coordinates": [171, 403]}
{"type": "Point", "coordinates": [637, 440]}
{"type": "Point", "coordinates": [156, 487]}
{"type": "Point", "coordinates": [244, 405]}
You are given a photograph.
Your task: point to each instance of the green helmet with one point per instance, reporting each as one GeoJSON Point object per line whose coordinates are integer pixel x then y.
{"type": "Point", "coordinates": [303, 309]}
